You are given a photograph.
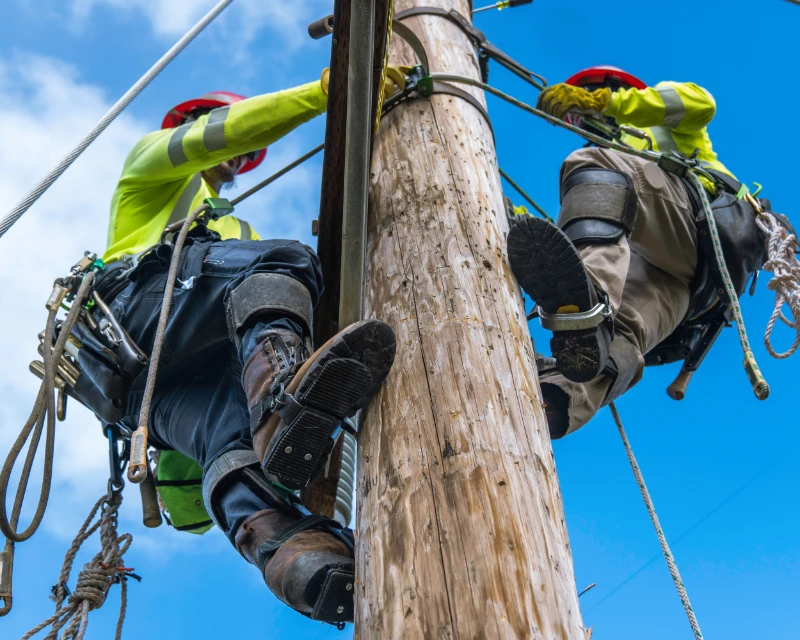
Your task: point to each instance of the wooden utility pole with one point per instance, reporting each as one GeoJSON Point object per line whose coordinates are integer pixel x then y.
{"type": "Point", "coordinates": [460, 525]}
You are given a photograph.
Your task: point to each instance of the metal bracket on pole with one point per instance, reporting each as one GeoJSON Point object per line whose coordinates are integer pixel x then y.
{"type": "Point", "coordinates": [357, 159]}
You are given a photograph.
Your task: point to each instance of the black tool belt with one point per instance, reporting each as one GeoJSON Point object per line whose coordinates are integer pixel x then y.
{"type": "Point", "coordinates": [113, 278]}
{"type": "Point", "coordinates": [744, 249]}
{"type": "Point", "coordinates": [100, 361]}
{"type": "Point", "coordinates": [743, 244]}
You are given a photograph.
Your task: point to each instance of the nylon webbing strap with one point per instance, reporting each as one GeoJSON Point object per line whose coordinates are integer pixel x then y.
{"type": "Point", "coordinates": [268, 548]}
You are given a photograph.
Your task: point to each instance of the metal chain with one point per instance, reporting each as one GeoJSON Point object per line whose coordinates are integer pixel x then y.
{"type": "Point", "coordinates": [26, 203]}
{"type": "Point", "coordinates": [662, 540]}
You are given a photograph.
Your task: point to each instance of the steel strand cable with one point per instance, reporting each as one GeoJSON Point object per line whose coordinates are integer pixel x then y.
{"type": "Point", "coordinates": [610, 144]}
{"type": "Point", "coordinates": [277, 174]}
{"type": "Point", "coordinates": [137, 469]}
{"type": "Point", "coordinates": [26, 203]}
{"type": "Point", "coordinates": [662, 539]}
{"type": "Point", "coordinates": [527, 198]}
{"type": "Point", "coordinates": [43, 412]}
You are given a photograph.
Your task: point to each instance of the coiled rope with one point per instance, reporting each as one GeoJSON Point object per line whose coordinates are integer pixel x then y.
{"type": "Point", "coordinates": [95, 578]}
{"type": "Point", "coordinates": [782, 262]}
{"type": "Point", "coordinates": [26, 203]}
{"type": "Point", "coordinates": [43, 412]}
{"type": "Point", "coordinates": [662, 540]}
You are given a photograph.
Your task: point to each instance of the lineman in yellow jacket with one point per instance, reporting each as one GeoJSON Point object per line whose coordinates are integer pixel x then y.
{"type": "Point", "coordinates": [240, 389]}
{"type": "Point", "coordinates": [618, 273]}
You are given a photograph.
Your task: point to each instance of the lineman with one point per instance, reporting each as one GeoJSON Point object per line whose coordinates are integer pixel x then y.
{"type": "Point", "coordinates": [238, 386]}
{"type": "Point", "coordinates": [621, 269]}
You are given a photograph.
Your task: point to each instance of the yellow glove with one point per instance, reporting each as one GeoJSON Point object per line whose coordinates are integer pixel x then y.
{"type": "Point", "coordinates": [560, 99]}
{"type": "Point", "coordinates": [395, 80]}
{"type": "Point", "coordinates": [324, 79]}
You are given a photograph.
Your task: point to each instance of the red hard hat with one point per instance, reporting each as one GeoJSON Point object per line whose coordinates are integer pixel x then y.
{"type": "Point", "coordinates": [602, 74]}
{"type": "Point", "coordinates": [178, 115]}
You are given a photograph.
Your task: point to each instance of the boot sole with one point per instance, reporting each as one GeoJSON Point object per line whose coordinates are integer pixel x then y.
{"type": "Point", "coordinates": [335, 602]}
{"type": "Point", "coordinates": [334, 383]}
{"type": "Point", "coordinates": [549, 269]}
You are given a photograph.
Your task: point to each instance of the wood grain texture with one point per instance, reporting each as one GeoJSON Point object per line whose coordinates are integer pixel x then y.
{"type": "Point", "coordinates": [460, 526]}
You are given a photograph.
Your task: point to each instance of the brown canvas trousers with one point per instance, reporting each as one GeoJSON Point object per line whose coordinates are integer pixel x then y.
{"type": "Point", "coordinates": [647, 276]}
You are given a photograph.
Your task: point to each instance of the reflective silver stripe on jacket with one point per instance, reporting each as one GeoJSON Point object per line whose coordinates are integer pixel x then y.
{"type": "Point", "coordinates": [214, 132]}
{"type": "Point", "coordinates": [245, 231]}
{"type": "Point", "coordinates": [175, 151]}
{"type": "Point", "coordinates": [675, 109]}
{"type": "Point", "coordinates": [181, 208]}
{"type": "Point", "coordinates": [663, 139]}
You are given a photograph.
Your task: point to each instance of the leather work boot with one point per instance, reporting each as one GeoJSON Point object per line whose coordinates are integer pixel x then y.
{"type": "Point", "coordinates": [297, 402]}
{"type": "Point", "coordinates": [310, 570]}
{"type": "Point", "coordinates": [556, 408]}
{"type": "Point", "coordinates": [549, 269]}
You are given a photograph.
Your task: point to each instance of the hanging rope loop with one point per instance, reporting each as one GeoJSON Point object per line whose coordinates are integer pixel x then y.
{"type": "Point", "coordinates": [782, 261]}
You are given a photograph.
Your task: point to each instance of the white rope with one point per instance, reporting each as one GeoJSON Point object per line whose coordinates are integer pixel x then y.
{"type": "Point", "coordinates": [662, 540]}
{"type": "Point", "coordinates": [782, 262]}
{"type": "Point", "coordinates": [26, 203]}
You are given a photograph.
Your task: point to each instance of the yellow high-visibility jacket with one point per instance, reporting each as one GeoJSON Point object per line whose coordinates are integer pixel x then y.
{"type": "Point", "coordinates": [161, 181]}
{"type": "Point", "coordinates": [675, 115]}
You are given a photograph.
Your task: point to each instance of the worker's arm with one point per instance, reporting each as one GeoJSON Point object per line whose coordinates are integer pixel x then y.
{"type": "Point", "coordinates": [683, 107]}
{"type": "Point", "coordinates": [230, 131]}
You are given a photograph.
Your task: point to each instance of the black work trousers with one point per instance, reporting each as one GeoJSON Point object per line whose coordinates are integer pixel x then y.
{"type": "Point", "coordinates": [199, 407]}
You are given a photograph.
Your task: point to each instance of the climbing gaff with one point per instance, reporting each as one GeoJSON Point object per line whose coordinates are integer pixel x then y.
{"type": "Point", "coordinates": [28, 201]}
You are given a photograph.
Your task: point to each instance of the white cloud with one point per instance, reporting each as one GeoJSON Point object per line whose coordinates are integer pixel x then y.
{"type": "Point", "coordinates": [46, 109]}
{"type": "Point", "coordinates": [242, 20]}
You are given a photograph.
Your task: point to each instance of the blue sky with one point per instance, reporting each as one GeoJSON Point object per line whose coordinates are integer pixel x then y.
{"type": "Point", "coordinates": [722, 467]}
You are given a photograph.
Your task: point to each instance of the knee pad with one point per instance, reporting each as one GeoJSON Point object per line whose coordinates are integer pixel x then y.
{"type": "Point", "coordinates": [268, 293]}
{"type": "Point", "coordinates": [598, 206]}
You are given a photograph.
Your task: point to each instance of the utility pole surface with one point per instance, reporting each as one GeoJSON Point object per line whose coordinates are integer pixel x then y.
{"type": "Point", "coordinates": [460, 527]}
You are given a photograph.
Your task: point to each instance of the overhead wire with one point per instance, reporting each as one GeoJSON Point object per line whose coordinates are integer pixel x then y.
{"type": "Point", "coordinates": [699, 522]}
{"type": "Point", "coordinates": [527, 198]}
{"type": "Point", "coordinates": [17, 212]}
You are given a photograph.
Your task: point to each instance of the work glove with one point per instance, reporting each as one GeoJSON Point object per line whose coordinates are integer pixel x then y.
{"type": "Point", "coordinates": [324, 79]}
{"type": "Point", "coordinates": [395, 80]}
{"type": "Point", "coordinates": [560, 99]}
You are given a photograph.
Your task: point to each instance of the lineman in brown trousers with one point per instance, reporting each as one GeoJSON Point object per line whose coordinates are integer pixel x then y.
{"type": "Point", "coordinates": [618, 272]}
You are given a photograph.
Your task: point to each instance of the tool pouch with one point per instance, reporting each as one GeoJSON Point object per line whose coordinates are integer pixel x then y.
{"type": "Point", "coordinates": [100, 360]}
{"type": "Point", "coordinates": [743, 243]}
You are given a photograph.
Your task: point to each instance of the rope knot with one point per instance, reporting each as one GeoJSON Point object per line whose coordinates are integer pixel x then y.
{"type": "Point", "coordinates": [93, 584]}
